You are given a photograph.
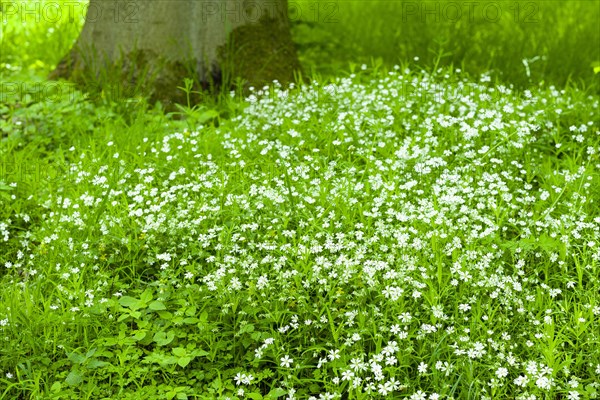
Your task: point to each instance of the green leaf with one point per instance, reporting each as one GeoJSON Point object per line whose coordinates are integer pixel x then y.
{"type": "Point", "coordinates": [146, 297]}
{"type": "Point", "coordinates": [207, 115]}
{"type": "Point", "coordinates": [56, 386]}
{"type": "Point", "coordinates": [179, 351]}
{"type": "Point", "coordinates": [204, 316]}
{"type": "Point", "coordinates": [123, 317]}
{"type": "Point", "coordinates": [184, 361]}
{"type": "Point", "coordinates": [130, 302]}
{"type": "Point", "coordinates": [199, 353]}
{"type": "Point", "coordinates": [254, 396]}
{"type": "Point", "coordinates": [74, 378]}
{"type": "Point", "coordinates": [142, 324]}
{"type": "Point", "coordinates": [95, 363]}
{"type": "Point", "coordinates": [276, 392]}
{"type": "Point", "coordinates": [76, 358]}
{"type": "Point", "coordinates": [157, 306]}
{"type": "Point", "coordinates": [164, 338]}
{"type": "Point", "coordinates": [165, 315]}
{"type": "Point", "coordinates": [5, 187]}
{"type": "Point", "coordinates": [139, 335]}
{"type": "Point", "coordinates": [159, 358]}
{"type": "Point", "coordinates": [191, 311]}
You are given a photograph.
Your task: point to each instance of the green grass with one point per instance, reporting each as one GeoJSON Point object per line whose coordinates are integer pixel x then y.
{"type": "Point", "coordinates": [558, 40]}
{"type": "Point", "coordinates": [427, 230]}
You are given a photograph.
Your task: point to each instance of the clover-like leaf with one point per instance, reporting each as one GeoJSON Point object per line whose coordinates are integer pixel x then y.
{"type": "Point", "coordinates": [164, 338]}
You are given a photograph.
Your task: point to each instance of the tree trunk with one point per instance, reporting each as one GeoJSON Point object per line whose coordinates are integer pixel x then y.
{"type": "Point", "coordinates": [149, 46]}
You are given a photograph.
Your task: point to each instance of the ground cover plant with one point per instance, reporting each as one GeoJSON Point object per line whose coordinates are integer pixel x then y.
{"type": "Point", "coordinates": [388, 232]}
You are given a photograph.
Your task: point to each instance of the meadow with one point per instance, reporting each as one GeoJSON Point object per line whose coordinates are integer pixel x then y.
{"type": "Point", "coordinates": [416, 218]}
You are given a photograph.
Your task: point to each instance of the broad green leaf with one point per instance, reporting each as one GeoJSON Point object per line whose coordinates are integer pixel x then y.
{"type": "Point", "coordinates": [123, 317]}
{"type": "Point", "coordinates": [184, 361]}
{"type": "Point", "coordinates": [203, 316]}
{"type": "Point", "coordinates": [191, 311]}
{"type": "Point", "coordinates": [142, 324]}
{"type": "Point", "coordinates": [139, 335]}
{"type": "Point", "coordinates": [157, 306]}
{"type": "Point", "coordinates": [165, 315]}
{"type": "Point", "coordinates": [164, 338]}
{"type": "Point", "coordinates": [130, 302]}
{"type": "Point", "coordinates": [276, 392]}
{"type": "Point", "coordinates": [76, 358]}
{"type": "Point", "coordinates": [179, 351]}
{"type": "Point", "coordinates": [199, 353]}
{"type": "Point", "coordinates": [254, 396]}
{"type": "Point", "coordinates": [207, 115]}
{"type": "Point", "coordinates": [74, 378]}
{"type": "Point", "coordinates": [146, 297]}
{"type": "Point", "coordinates": [95, 363]}
{"type": "Point", "coordinates": [247, 342]}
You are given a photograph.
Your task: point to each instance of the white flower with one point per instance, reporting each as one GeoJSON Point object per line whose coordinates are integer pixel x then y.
{"type": "Point", "coordinates": [347, 375]}
{"type": "Point", "coordinates": [501, 372]}
{"type": "Point", "coordinates": [419, 395]}
{"type": "Point", "coordinates": [238, 378]}
{"type": "Point", "coordinates": [286, 361]}
{"type": "Point", "coordinates": [333, 355]}
{"type": "Point", "coordinates": [543, 382]}
{"type": "Point", "coordinates": [521, 380]}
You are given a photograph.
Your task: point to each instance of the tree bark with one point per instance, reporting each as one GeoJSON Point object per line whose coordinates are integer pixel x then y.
{"type": "Point", "coordinates": [149, 46]}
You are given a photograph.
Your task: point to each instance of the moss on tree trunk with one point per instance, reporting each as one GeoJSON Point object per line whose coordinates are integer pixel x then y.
{"type": "Point", "coordinates": [260, 53]}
